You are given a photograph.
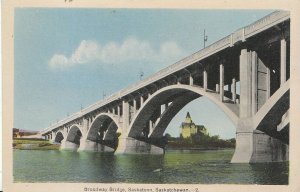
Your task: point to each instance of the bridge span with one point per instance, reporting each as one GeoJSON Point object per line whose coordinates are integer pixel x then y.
{"type": "Point", "coordinates": [246, 74]}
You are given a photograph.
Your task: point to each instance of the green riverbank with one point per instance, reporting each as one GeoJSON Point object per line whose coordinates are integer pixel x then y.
{"type": "Point", "coordinates": [33, 144]}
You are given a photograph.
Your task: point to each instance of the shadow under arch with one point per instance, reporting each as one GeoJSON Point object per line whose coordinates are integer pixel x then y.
{"type": "Point", "coordinates": [178, 96]}
{"type": "Point", "coordinates": [103, 130]}
{"type": "Point", "coordinates": [59, 137]}
{"type": "Point", "coordinates": [74, 135]}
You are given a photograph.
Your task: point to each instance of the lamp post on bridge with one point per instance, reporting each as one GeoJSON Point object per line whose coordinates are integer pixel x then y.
{"type": "Point", "coordinates": [204, 39]}
{"type": "Point", "coordinates": [141, 74]}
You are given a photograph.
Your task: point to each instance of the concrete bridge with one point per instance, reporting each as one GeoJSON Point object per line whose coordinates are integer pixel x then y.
{"type": "Point", "coordinates": [246, 74]}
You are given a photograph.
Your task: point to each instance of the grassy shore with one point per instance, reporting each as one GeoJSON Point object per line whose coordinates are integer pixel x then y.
{"type": "Point", "coordinates": [33, 144]}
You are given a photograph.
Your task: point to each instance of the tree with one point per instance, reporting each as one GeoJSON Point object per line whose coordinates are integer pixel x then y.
{"type": "Point", "coordinates": [168, 136]}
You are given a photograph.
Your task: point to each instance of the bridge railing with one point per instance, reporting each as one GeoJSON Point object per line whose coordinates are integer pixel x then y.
{"type": "Point", "coordinates": [100, 103]}
{"type": "Point", "coordinates": [265, 22]}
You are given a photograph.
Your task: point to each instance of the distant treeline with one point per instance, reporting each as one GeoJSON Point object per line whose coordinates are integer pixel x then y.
{"type": "Point", "coordinates": [199, 141]}
{"type": "Point", "coordinates": [29, 139]}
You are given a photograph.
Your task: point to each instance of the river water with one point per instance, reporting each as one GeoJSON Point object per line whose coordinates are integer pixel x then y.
{"type": "Point", "coordinates": [205, 167]}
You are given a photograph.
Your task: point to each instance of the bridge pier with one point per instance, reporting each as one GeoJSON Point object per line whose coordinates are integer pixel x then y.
{"type": "Point", "coordinates": [52, 137]}
{"type": "Point", "coordinates": [67, 145]}
{"type": "Point", "coordinates": [253, 146]}
{"type": "Point", "coordinates": [132, 146]}
{"type": "Point", "coordinates": [87, 145]}
{"type": "Point", "coordinates": [258, 147]}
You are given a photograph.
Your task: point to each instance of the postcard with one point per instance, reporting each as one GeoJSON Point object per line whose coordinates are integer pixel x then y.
{"type": "Point", "coordinates": [129, 96]}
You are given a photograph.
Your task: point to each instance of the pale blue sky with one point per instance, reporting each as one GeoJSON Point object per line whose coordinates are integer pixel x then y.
{"type": "Point", "coordinates": [65, 58]}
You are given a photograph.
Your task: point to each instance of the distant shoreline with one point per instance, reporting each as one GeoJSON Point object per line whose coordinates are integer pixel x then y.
{"type": "Point", "coordinates": [33, 144]}
{"type": "Point", "coordinates": [198, 148]}
{"type": "Point", "coordinates": [40, 144]}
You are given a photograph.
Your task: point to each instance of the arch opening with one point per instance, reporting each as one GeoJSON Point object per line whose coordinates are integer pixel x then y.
{"type": "Point", "coordinates": [74, 135]}
{"type": "Point", "coordinates": [176, 99]}
{"type": "Point", "coordinates": [104, 131]}
{"type": "Point", "coordinates": [59, 137]}
{"type": "Point", "coordinates": [200, 124]}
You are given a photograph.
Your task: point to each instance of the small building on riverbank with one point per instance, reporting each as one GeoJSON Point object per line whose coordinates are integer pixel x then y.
{"type": "Point", "coordinates": [20, 133]}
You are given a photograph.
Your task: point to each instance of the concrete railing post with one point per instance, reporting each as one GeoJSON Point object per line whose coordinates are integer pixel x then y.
{"type": "Point", "coordinates": [282, 61]}
{"type": "Point", "coordinates": [233, 90]}
{"type": "Point", "coordinates": [150, 126]}
{"type": "Point", "coordinates": [217, 88]}
{"type": "Point", "coordinates": [142, 100]}
{"type": "Point", "coordinates": [221, 82]}
{"type": "Point", "coordinates": [268, 83]}
{"type": "Point", "coordinates": [134, 106]}
{"type": "Point", "coordinates": [205, 80]}
{"type": "Point", "coordinates": [191, 80]}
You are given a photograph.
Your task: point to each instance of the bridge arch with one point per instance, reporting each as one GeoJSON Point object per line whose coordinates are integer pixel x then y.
{"type": "Point", "coordinates": [103, 130]}
{"type": "Point", "coordinates": [74, 135]}
{"type": "Point", "coordinates": [179, 95]}
{"type": "Point", "coordinates": [59, 137]}
{"type": "Point", "coordinates": [269, 116]}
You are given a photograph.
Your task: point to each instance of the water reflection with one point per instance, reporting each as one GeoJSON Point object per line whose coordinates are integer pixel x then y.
{"type": "Point", "coordinates": [101, 167]}
{"type": "Point", "coordinates": [272, 173]}
{"type": "Point", "coordinates": [143, 167]}
{"type": "Point", "coordinates": [208, 167]}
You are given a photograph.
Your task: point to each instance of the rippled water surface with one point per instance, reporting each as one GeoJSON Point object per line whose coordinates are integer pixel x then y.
{"type": "Point", "coordinates": [203, 167]}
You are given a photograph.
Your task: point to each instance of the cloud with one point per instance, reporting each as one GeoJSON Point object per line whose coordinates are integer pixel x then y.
{"type": "Point", "coordinates": [130, 50]}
